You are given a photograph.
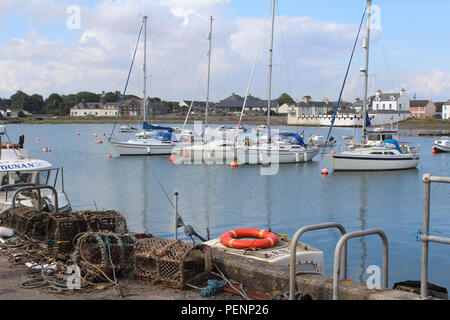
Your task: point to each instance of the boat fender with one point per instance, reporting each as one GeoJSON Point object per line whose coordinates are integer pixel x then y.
{"type": "Point", "coordinates": [266, 239]}
{"type": "Point", "coordinates": [6, 232]}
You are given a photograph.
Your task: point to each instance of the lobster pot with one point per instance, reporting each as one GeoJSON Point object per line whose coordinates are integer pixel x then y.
{"type": "Point", "coordinates": [170, 262]}
{"type": "Point", "coordinates": [105, 251]}
{"type": "Point", "coordinates": [27, 222]}
{"type": "Point", "coordinates": [108, 220]}
{"type": "Point", "coordinates": [61, 231]}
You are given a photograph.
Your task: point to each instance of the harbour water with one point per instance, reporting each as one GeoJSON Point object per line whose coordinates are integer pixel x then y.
{"type": "Point", "coordinates": [221, 198]}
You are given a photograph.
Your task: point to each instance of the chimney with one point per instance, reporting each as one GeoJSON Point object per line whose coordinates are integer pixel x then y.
{"type": "Point", "coordinates": [378, 93]}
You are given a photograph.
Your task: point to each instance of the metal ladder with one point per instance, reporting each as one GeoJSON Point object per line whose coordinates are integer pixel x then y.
{"type": "Point", "coordinates": [341, 248]}
{"type": "Point", "coordinates": [426, 237]}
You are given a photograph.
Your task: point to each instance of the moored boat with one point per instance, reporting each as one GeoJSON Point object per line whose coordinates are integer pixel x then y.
{"type": "Point", "coordinates": [441, 146]}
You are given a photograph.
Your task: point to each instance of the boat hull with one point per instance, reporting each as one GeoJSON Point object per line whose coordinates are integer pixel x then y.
{"type": "Point", "coordinates": [441, 148]}
{"type": "Point", "coordinates": [368, 163]}
{"type": "Point", "coordinates": [141, 149]}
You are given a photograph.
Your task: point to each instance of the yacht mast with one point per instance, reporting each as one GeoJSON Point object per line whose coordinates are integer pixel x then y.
{"type": "Point", "coordinates": [145, 69]}
{"type": "Point", "coordinates": [269, 109]}
{"type": "Point", "coordinates": [366, 44]}
{"type": "Point", "coordinates": [209, 71]}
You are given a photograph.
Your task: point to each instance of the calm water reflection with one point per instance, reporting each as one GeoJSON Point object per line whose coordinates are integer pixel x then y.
{"type": "Point", "coordinates": [219, 198]}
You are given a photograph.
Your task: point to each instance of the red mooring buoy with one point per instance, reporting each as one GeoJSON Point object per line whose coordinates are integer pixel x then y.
{"type": "Point", "coordinates": [324, 171]}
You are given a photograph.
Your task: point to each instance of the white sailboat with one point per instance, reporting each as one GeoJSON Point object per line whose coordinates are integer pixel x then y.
{"type": "Point", "coordinates": [284, 148]}
{"type": "Point", "coordinates": [152, 140]}
{"type": "Point", "coordinates": [384, 155]}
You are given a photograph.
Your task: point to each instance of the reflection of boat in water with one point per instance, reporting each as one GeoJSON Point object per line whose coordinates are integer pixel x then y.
{"type": "Point", "coordinates": [441, 146]}
{"type": "Point", "coordinates": [18, 171]}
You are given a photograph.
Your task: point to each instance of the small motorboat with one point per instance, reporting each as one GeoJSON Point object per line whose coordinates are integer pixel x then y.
{"type": "Point", "coordinates": [319, 141]}
{"type": "Point", "coordinates": [441, 146]}
{"type": "Point", "coordinates": [127, 128]}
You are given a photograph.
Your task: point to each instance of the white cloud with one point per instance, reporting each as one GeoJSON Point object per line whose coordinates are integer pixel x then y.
{"type": "Point", "coordinates": [310, 56]}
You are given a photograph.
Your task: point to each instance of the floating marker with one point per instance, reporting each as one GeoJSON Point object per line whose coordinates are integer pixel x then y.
{"type": "Point", "coordinates": [433, 151]}
{"type": "Point", "coordinates": [95, 135]}
{"type": "Point", "coordinates": [171, 159]}
{"type": "Point", "coordinates": [333, 152]}
{"type": "Point", "coordinates": [100, 141]}
{"type": "Point", "coordinates": [38, 139]}
{"type": "Point", "coordinates": [324, 171]}
{"type": "Point", "coordinates": [109, 156]}
{"type": "Point", "coordinates": [78, 133]}
{"type": "Point", "coordinates": [234, 164]}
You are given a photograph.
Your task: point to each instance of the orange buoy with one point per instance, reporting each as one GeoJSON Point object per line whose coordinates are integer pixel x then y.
{"type": "Point", "coordinates": [38, 139]}
{"type": "Point", "coordinates": [171, 159]}
{"type": "Point", "coordinates": [78, 133]}
{"type": "Point", "coordinates": [433, 151]}
{"type": "Point", "coordinates": [109, 156]}
{"type": "Point", "coordinates": [333, 152]}
{"type": "Point", "coordinates": [234, 164]}
{"type": "Point", "coordinates": [266, 239]}
{"type": "Point", "coordinates": [95, 135]}
{"type": "Point", "coordinates": [100, 141]}
{"type": "Point", "coordinates": [324, 171]}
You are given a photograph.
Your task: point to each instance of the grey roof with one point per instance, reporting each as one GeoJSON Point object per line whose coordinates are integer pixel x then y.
{"type": "Point", "coordinates": [312, 104]}
{"type": "Point", "coordinates": [418, 103]}
{"type": "Point", "coordinates": [387, 96]}
{"type": "Point", "coordinates": [236, 101]}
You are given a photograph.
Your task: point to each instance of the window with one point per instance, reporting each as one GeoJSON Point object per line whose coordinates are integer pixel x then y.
{"type": "Point", "coordinates": [399, 106]}
{"type": "Point", "coordinates": [384, 106]}
{"type": "Point", "coordinates": [390, 106]}
{"type": "Point", "coordinates": [19, 177]}
{"type": "Point", "coordinates": [43, 177]}
{"type": "Point", "coordinates": [376, 153]}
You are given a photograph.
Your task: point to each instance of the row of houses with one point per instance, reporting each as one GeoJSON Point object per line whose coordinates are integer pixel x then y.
{"type": "Point", "coordinates": [381, 101]}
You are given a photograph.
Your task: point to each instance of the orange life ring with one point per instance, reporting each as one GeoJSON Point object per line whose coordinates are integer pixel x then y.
{"type": "Point", "coordinates": [266, 239]}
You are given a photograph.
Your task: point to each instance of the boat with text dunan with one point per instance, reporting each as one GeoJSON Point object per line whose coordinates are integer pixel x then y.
{"type": "Point", "coordinates": [19, 171]}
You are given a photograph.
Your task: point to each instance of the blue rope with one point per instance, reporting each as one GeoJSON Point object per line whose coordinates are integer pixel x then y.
{"type": "Point", "coordinates": [214, 288]}
{"type": "Point", "coordinates": [346, 74]}
{"type": "Point", "coordinates": [126, 85]}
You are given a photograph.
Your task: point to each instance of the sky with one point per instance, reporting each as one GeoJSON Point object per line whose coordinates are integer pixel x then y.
{"type": "Point", "coordinates": [67, 46]}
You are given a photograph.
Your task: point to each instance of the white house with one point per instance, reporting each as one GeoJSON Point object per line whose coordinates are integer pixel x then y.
{"type": "Point", "coordinates": [446, 110]}
{"type": "Point", "coordinates": [390, 101]}
{"type": "Point", "coordinates": [286, 108]}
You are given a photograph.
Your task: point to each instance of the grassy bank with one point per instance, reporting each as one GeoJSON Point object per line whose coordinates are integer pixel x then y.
{"type": "Point", "coordinates": [411, 123]}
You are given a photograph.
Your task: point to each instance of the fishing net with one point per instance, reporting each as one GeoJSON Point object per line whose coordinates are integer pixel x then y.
{"type": "Point", "coordinates": [27, 222]}
{"type": "Point", "coordinates": [170, 262]}
{"type": "Point", "coordinates": [108, 220]}
{"type": "Point", "coordinates": [101, 255]}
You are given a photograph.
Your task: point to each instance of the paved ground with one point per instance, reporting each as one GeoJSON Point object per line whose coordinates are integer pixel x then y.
{"type": "Point", "coordinates": [11, 279]}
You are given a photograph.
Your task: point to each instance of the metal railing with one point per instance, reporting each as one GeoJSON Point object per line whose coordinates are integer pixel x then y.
{"type": "Point", "coordinates": [293, 252]}
{"type": "Point", "coordinates": [426, 237]}
{"type": "Point", "coordinates": [38, 188]}
{"type": "Point", "coordinates": [343, 242]}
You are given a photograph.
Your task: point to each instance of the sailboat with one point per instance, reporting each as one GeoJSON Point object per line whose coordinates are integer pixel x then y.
{"type": "Point", "coordinates": [385, 155]}
{"type": "Point", "coordinates": [152, 140]}
{"type": "Point", "coordinates": [284, 147]}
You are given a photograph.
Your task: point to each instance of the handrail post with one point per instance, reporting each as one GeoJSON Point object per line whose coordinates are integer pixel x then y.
{"type": "Point", "coordinates": [293, 252]}
{"type": "Point", "coordinates": [425, 227]}
{"type": "Point", "coordinates": [343, 241]}
{"type": "Point", "coordinates": [426, 238]}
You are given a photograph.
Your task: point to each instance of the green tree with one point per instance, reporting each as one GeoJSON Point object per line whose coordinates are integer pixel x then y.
{"type": "Point", "coordinates": [53, 104]}
{"type": "Point", "coordinates": [285, 98]}
{"type": "Point", "coordinates": [18, 100]}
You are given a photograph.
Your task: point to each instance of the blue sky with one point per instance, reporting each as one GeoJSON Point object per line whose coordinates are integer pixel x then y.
{"type": "Point", "coordinates": [36, 47]}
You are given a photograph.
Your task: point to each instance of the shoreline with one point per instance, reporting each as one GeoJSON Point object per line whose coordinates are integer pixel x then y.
{"type": "Point", "coordinates": [426, 124]}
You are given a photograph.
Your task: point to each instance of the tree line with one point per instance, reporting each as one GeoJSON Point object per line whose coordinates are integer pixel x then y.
{"type": "Point", "coordinates": [60, 105]}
